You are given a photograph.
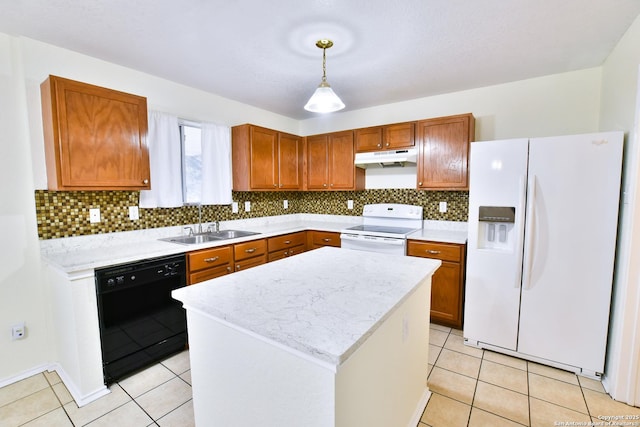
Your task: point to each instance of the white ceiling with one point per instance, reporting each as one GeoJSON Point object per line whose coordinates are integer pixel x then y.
{"type": "Point", "coordinates": [263, 53]}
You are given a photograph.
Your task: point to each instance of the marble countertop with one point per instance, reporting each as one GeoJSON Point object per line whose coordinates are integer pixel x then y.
{"type": "Point", "coordinates": [322, 303]}
{"type": "Point", "coordinates": [81, 255]}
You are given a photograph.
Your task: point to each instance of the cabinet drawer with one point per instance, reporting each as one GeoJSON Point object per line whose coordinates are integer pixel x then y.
{"type": "Point", "coordinates": [442, 251]}
{"type": "Point", "coordinates": [285, 241]}
{"type": "Point", "coordinates": [326, 238]}
{"type": "Point", "coordinates": [207, 258]}
{"type": "Point", "coordinates": [250, 262]}
{"type": "Point", "coordinates": [210, 273]}
{"type": "Point", "coordinates": [283, 253]}
{"type": "Point", "coordinates": [249, 249]}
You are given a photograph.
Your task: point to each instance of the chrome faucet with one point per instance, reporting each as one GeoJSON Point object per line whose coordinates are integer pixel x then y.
{"type": "Point", "coordinates": [199, 218]}
{"type": "Point", "coordinates": [215, 225]}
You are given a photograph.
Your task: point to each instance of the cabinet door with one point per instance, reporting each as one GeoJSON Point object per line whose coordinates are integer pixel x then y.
{"type": "Point", "coordinates": [368, 139]}
{"type": "Point", "coordinates": [95, 138]}
{"type": "Point", "coordinates": [289, 162]}
{"type": "Point", "coordinates": [445, 295]}
{"type": "Point", "coordinates": [263, 158]}
{"type": "Point", "coordinates": [401, 135]}
{"type": "Point", "coordinates": [341, 161]}
{"type": "Point", "coordinates": [444, 152]}
{"type": "Point", "coordinates": [317, 162]}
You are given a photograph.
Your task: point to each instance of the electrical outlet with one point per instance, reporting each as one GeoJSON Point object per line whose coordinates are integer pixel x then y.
{"type": "Point", "coordinates": [349, 204]}
{"type": "Point", "coordinates": [18, 331]}
{"type": "Point", "coordinates": [94, 215]}
{"type": "Point", "coordinates": [134, 214]}
{"type": "Point", "coordinates": [443, 207]}
{"type": "Point", "coordinates": [247, 206]}
{"type": "Point", "coordinates": [234, 207]}
{"type": "Point", "coordinates": [285, 204]}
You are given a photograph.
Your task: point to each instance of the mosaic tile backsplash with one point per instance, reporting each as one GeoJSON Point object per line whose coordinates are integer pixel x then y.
{"type": "Point", "coordinates": [66, 213]}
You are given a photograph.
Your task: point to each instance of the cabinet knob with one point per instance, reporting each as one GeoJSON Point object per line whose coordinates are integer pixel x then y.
{"type": "Point", "coordinates": [379, 145]}
{"type": "Point", "coordinates": [387, 144]}
{"type": "Point", "coordinates": [420, 183]}
{"type": "Point", "coordinates": [275, 185]}
{"type": "Point", "coordinates": [145, 181]}
{"type": "Point", "coordinates": [229, 269]}
{"type": "Point", "coordinates": [324, 185]}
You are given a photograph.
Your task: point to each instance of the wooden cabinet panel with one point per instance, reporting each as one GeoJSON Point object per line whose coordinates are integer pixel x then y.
{"type": "Point", "coordinates": [444, 152]}
{"type": "Point", "coordinates": [207, 264]}
{"type": "Point", "coordinates": [250, 262]}
{"type": "Point", "coordinates": [446, 299]}
{"type": "Point", "coordinates": [265, 159]}
{"type": "Point", "coordinates": [95, 138]}
{"type": "Point", "coordinates": [330, 163]}
{"type": "Point", "coordinates": [290, 164]}
{"type": "Point", "coordinates": [318, 239]}
{"type": "Point", "coordinates": [389, 137]}
{"type": "Point", "coordinates": [286, 241]}
{"type": "Point", "coordinates": [442, 251]}
{"type": "Point", "coordinates": [249, 249]}
{"type": "Point", "coordinates": [317, 162]}
{"type": "Point", "coordinates": [447, 285]}
{"type": "Point", "coordinates": [286, 245]}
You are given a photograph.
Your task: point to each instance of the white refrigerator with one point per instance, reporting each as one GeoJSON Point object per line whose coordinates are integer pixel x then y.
{"type": "Point", "coordinates": [543, 217]}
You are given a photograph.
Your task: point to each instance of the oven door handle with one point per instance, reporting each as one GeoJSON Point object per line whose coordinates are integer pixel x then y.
{"type": "Point", "coordinates": [374, 239]}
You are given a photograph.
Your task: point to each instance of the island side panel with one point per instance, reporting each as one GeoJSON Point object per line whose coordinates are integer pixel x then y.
{"type": "Point", "coordinates": [384, 383]}
{"type": "Point", "coordinates": [240, 380]}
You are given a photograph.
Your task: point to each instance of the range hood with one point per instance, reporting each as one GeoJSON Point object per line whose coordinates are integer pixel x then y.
{"type": "Point", "coordinates": [389, 158]}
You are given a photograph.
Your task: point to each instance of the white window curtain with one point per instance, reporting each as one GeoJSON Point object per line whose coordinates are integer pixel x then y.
{"type": "Point", "coordinates": [165, 163]}
{"type": "Point", "coordinates": [216, 164]}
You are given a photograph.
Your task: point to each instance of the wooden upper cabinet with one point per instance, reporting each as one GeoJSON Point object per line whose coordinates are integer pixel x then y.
{"type": "Point", "coordinates": [391, 137]}
{"type": "Point", "coordinates": [95, 138]}
{"type": "Point", "coordinates": [443, 153]}
{"type": "Point", "coordinates": [265, 159]}
{"type": "Point", "coordinates": [330, 163]}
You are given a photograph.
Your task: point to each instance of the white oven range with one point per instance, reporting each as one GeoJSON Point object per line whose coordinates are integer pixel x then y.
{"type": "Point", "coordinates": [384, 229]}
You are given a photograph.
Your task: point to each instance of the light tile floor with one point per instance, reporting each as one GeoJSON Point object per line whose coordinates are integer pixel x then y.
{"type": "Point", "coordinates": [480, 388]}
{"type": "Point", "coordinates": [471, 387]}
{"type": "Point", "coordinates": [158, 396]}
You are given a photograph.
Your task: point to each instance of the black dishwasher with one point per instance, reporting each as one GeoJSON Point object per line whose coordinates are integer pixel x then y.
{"type": "Point", "coordinates": [139, 321]}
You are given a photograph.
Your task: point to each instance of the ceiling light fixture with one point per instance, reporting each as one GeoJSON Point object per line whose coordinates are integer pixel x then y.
{"type": "Point", "coordinates": [324, 99]}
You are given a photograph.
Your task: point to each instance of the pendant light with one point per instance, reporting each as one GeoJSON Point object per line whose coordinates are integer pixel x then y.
{"type": "Point", "coordinates": [324, 99]}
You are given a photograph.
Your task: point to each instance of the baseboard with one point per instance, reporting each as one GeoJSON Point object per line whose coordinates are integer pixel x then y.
{"type": "Point", "coordinates": [422, 404]}
{"type": "Point", "coordinates": [25, 374]}
{"type": "Point", "coordinates": [80, 399]}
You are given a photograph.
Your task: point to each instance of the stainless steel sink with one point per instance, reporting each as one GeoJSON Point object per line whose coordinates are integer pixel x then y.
{"type": "Point", "coordinates": [230, 234]}
{"type": "Point", "coordinates": [212, 236]}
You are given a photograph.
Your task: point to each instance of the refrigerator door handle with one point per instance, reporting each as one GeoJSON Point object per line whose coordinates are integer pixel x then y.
{"type": "Point", "coordinates": [522, 200]}
{"type": "Point", "coordinates": [530, 234]}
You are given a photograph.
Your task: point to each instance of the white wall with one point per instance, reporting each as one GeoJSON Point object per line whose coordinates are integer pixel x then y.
{"type": "Point", "coordinates": [620, 109]}
{"type": "Point", "coordinates": [559, 104]}
{"type": "Point", "coordinates": [22, 294]}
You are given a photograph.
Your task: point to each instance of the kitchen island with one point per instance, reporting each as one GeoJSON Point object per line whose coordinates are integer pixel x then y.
{"type": "Point", "coordinates": [331, 337]}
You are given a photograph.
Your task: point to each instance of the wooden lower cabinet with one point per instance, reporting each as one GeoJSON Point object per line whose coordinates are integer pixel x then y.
{"type": "Point", "coordinates": [249, 254]}
{"type": "Point", "coordinates": [286, 245]}
{"type": "Point", "coordinates": [317, 239]}
{"type": "Point", "coordinates": [447, 285]}
{"type": "Point", "coordinates": [208, 264]}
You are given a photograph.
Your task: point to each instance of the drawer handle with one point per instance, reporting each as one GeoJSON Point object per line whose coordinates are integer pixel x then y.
{"type": "Point", "coordinates": [213, 259]}
{"type": "Point", "coordinates": [326, 239]}
{"type": "Point", "coordinates": [432, 252]}
{"type": "Point", "coordinates": [287, 242]}
{"type": "Point", "coordinates": [250, 250]}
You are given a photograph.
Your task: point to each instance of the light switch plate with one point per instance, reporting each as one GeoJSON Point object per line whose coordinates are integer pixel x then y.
{"type": "Point", "coordinates": [94, 215]}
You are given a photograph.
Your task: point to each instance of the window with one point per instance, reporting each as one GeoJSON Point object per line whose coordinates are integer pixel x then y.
{"type": "Point", "coordinates": [190, 136]}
